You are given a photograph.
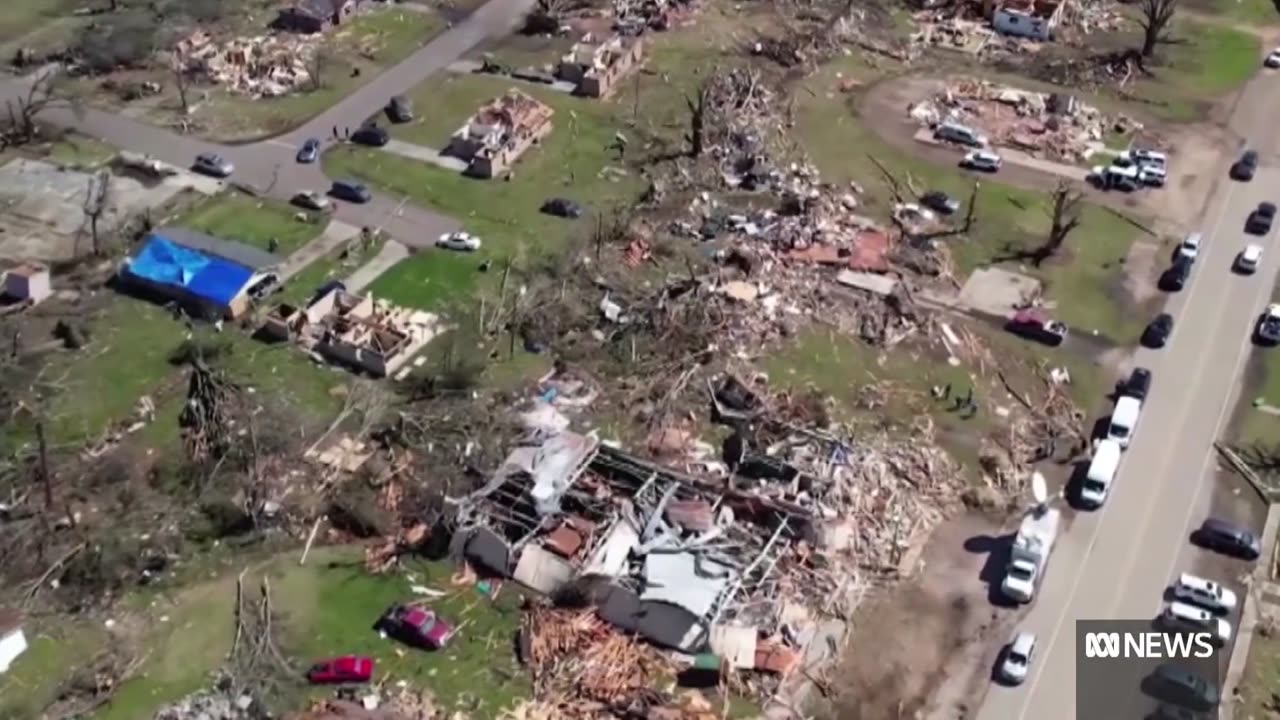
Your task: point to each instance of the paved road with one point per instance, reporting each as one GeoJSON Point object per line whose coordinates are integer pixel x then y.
{"type": "Point", "coordinates": [269, 167]}
{"type": "Point", "coordinates": [1115, 563]}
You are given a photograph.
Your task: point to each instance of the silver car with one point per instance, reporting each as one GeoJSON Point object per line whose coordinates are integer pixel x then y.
{"type": "Point", "coordinates": [213, 164]}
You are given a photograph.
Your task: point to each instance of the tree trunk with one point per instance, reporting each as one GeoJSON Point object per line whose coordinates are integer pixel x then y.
{"type": "Point", "coordinates": [1150, 37]}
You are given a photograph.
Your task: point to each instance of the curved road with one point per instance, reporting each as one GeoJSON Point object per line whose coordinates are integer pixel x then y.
{"type": "Point", "coordinates": [269, 166]}
{"type": "Point", "coordinates": [1115, 563]}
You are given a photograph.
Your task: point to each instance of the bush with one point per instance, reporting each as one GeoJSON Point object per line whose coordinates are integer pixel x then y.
{"type": "Point", "coordinates": [124, 41]}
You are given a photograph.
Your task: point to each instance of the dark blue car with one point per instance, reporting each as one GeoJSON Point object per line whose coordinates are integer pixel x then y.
{"type": "Point", "coordinates": [350, 191]}
{"type": "Point", "coordinates": [309, 151]}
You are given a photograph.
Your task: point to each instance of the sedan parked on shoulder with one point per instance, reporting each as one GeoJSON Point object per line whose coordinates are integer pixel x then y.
{"type": "Point", "coordinates": [1228, 539]}
{"type": "Point", "coordinates": [310, 151]}
{"type": "Point", "coordinates": [1137, 385]}
{"type": "Point", "coordinates": [1158, 331]}
{"type": "Point", "coordinates": [214, 165]}
{"type": "Point", "coordinates": [464, 242]}
{"type": "Point", "coordinates": [1017, 658]}
{"type": "Point", "coordinates": [345, 669]}
{"type": "Point", "coordinates": [1190, 246]}
{"type": "Point", "coordinates": [1259, 221]}
{"type": "Point", "coordinates": [1248, 259]}
{"type": "Point", "coordinates": [1180, 686]}
{"type": "Point", "coordinates": [1268, 328]}
{"type": "Point", "coordinates": [312, 200]}
{"type": "Point", "coordinates": [982, 160]}
{"type": "Point", "coordinates": [1175, 278]}
{"type": "Point", "coordinates": [1244, 168]}
{"type": "Point", "coordinates": [1205, 593]}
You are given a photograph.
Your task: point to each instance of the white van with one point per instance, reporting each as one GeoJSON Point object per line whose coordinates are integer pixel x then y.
{"type": "Point", "coordinates": [963, 134]}
{"type": "Point", "coordinates": [1182, 616]}
{"type": "Point", "coordinates": [1207, 594]}
{"type": "Point", "coordinates": [1124, 420]}
{"type": "Point", "coordinates": [1102, 470]}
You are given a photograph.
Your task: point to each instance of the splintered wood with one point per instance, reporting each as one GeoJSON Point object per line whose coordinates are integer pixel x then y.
{"type": "Point", "coordinates": [585, 668]}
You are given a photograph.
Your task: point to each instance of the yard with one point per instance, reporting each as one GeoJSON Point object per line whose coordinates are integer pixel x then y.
{"type": "Point", "coordinates": [1207, 61]}
{"type": "Point", "coordinates": [252, 221]}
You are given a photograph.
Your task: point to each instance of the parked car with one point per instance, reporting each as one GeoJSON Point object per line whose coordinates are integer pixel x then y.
{"type": "Point", "coordinates": [1190, 246]}
{"type": "Point", "coordinates": [350, 191]}
{"type": "Point", "coordinates": [1205, 593]}
{"type": "Point", "coordinates": [962, 134]}
{"type": "Point", "coordinates": [1228, 539]}
{"type": "Point", "coordinates": [400, 110]}
{"type": "Point", "coordinates": [1033, 324]}
{"type": "Point", "coordinates": [562, 207]}
{"type": "Point", "coordinates": [1244, 168]}
{"type": "Point", "coordinates": [371, 135]}
{"type": "Point", "coordinates": [1148, 158]}
{"type": "Point", "coordinates": [1248, 258]}
{"type": "Point", "coordinates": [1137, 385]}
{"type": "Point", "coordinates": [1122, 174]}
{"type": "Point", "coordinates": [1192, 618]}
{"type": "Point", "coordinates": [982, 160]}
{"type": "Point", "coordinates": [312, 200]}
{"type": "Point", "coordinates": [1178, 685]}
{"type": "Point", "coordinates": [1259, 221]}
{"type": "Point", "coordinates": [416, 626]}
{"type": "Point", "coordinates": [1268, 329]}
{"type": "Point", "coordinates": [310, 151]}
{"type": "Point", "coordinates": [1273, 59]}
{"type": "Point", "coordinates": [213, 164]}
{"type": "Point", "coordinates": [1175, 278]}
{"type": "Point", "coordinates": [1158, 331]}
{"type": "Point", "coordinates": [1017, 658]}
{"type": "Point", "coordinates": [1152, 175]}
{"type": "Point", "coordinates": [461, 241]}
{"type": "Point", "coordinates": [345, 669]}
{"type": "Point", "coordinates": [940, 202]}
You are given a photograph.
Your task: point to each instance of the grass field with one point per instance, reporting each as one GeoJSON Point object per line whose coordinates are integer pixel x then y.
{"type": "Point", "coordinates": [1208, 61]}
{"type": "Point", "coordinates": [252, 221]}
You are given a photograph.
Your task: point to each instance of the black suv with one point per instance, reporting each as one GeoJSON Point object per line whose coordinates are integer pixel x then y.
{"type": "Point", "coordinates": [1181, 687]}
{"type": "Point", "coordinates": [1175, 278]}
{"type": "Point", "coordinates": [1223, 537]}
{"type": "Point", "coordinates": [1259, 222]}
{"type": "Point", "coordinates": [1138, 384]}
{"type": "Point", "coordinates": [1157, 332]}
{"type": "Point", "coordinates": [1244, 168]}
{"type": "Point", "coordinates": [400, 110]}
{"type": "Point", "coordinates": [371, 135]}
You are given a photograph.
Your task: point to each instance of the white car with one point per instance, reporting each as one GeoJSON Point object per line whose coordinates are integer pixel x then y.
{"type": "Point", "coordinates": [984, 160]}
{"type": "Point", "coordinates": [1182, 616]}
{"type": "Point", "coordinates": [1017, 658]}
{"type": "Point", "coordinates": [1152, 175]}
{"type": "Point", "coordinates": [1273, 59]}
{"type": "Point", "coordinates": [312, 200]}
{"type": "Point", "coordinates": [1248, 259]}
{"type": "Point", "coordinates": [1189, 248]}
{"type": "Point", "coordinates": [1148, 158]}
{"type": "Point", "coordinates": [462, 241]}
{"type": "Point", "coordinates": [1205, 593]}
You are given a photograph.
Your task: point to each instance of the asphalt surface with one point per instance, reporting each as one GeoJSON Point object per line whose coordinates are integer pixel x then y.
{"type": "Point", "coordinates": [269, 167]}
{"type": "Point", "coordinates": [1115, 563]}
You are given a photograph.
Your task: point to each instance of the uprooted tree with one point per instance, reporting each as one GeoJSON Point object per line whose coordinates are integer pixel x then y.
{"type": "Point", "coordinates": [44, 92]}
{"type": "Point", "coordinates": [1154, 18]}
{"type": "Point", "coordinates": [206, 419]}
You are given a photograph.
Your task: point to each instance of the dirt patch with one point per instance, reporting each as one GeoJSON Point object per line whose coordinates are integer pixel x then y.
{"type": "Point", "coordinates": [905, 646]}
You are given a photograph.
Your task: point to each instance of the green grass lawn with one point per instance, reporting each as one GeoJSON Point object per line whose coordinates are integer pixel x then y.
{"type": "Point", "coordinates": [1261, 677]}
{"type": "Point", "coordinates": [503, 213]}
{"type": "Point", "coordinates": [24, 16]}
{"type": "Point", "coordinates": [79, 152]}
{"type": "Point", "coordinates": [252, 221]}
{"type": "Point", "coordinates": [1249, 13]}
{"type": "Point", "coordinates": [1084, 278]}
{"type": "Point", "coordinates": [1208, 61]}
{"type": "Point", "coordinates": [326, 608]}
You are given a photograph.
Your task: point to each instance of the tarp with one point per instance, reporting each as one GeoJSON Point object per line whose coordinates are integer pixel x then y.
{"type": "Point", "coordinates": [204, 276]}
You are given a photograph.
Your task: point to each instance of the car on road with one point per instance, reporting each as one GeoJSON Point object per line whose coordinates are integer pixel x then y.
{"type": "Point", "coordinates": [462, 241]}
{"type": "Point", "coordinates": [1175, 278]}
{"type": "Point", "coordinates": [213, 164]}
{"type": "Point", "coordinates": [1179, 615]}
{"type": "Point", "coordinates": [1244, 168]}
{"type": "Point", "coordinates": [312, 200]}
{"type": "Point", "coordinates": [1124, 420]}
{"type": "Point", "coordinates": [400, 110]}
{"type": "Point", "coordinates": [1034, 324]}
{"type": "Point", "coordinates": [1190, 246]}
{"type": "Point", "coordinates": [962, 134]}
{"type": "Point", "coordinates": [1180, 686]}
{"type": "Point", "coordinates": [1273, 59]}
{"type": "Point", "coordinates": [1259, 221]}
{"type": "Point", "coordinates": [310, 151]}
{"type": "Point", "coordinates": [1158, 331]}
{"type": "Point", "coordinates": [341, 670]}
{"type": "Point", "coordinates": [417, 626]}
{"type": "Point", "coordinates": [1268, 328]}
{"type": "Point", "coordinates": [1137, 385]}
{"type": "Point", "coordinates": [371, 135]}
{"type": "Point", "coordinates": [1247, 260]}
{"type": "Point", "coordinates": [350, 191]}
{"type": "Point", "coordinates": [1017, 658]}
{"type": "Point", "coordinates": [940, 202]}
{"type": "Point", "coordinates": [982, 160]}
{"type": "Point", "coordinates": [562, 207]}
{"type": "Point", "coordinates": [1206, 593]}
{"type": "Point", "coordinates": [1227, 538]}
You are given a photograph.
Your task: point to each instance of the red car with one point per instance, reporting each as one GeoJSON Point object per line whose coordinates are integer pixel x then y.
{"type": "Point", "coordinates": [417, 626]}
{"type": "Point", "coordinates": [345, 669]}
{"type": "Point", "coordinates": [1036, 325]}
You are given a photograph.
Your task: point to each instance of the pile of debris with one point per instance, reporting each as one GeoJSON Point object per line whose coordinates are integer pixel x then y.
{"type": "Point", "coordinates": [262, 66]}
{"type": "Point", "coordinates": [636, 17]}
{"type": "Point", "coordinates": [740, 127]}
{"type": "Point", "coordinates": [220, 702]}
{"type": "Point", "coordinates": [1055, 125]}
{"type": "Point", "coordinates": [404, 705]}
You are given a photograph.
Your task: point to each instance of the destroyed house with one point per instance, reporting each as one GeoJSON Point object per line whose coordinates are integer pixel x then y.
{"type": "Point", "coordinates": [216, 278]}
{"type": "Point", "coordinates": [1033, 19]}
{"type": "Point", "coordinates": [356, 331]}
{"type": "Point", "coordinates": [596, 67]}
{"type": "Point", "coordinates": [313, 16]}
{"type": "Point", "coordinates": [659, 554]}
{"type": "Point", "coordinates": [499, 133]}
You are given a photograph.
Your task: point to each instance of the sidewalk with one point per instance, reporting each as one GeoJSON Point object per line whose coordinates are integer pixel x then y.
{"type": "Point", "coordinates": [391, 253]}
{"type": "Point", "coordinates": [335, 234]}
{"type": "Point", "coordinates": [1017, 157]}
{"type": "Point", "coordinates": [425, 154]}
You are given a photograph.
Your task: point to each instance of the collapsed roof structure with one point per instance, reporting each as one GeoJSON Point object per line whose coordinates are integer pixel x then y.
{"type": "Point", "coordinates": [500, 132]}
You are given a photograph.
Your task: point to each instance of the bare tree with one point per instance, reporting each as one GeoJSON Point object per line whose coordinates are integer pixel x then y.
{"type": "Point", "coordinates": [1064, 217]}
{"type": "Point", "coordinates": [96, 202]}
{"type": "Point", "coordinates": [317, 67]}
{"type": "Point", "coordinates": [698, 117]}
{"type": "Point", "coordinates": [181, 79]}
{"type": "Point", "coordinates": [44, 92]}
{"type": "Point", "coordinates": [1155, 16]}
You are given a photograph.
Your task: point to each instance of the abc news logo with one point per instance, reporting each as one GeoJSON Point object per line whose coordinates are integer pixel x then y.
{"type": "Point", "coordinates": [1149, 645]}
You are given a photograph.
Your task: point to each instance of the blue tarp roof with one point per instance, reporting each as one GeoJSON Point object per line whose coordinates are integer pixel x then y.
{"type": "Point", "coordinates": [204, 276]}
